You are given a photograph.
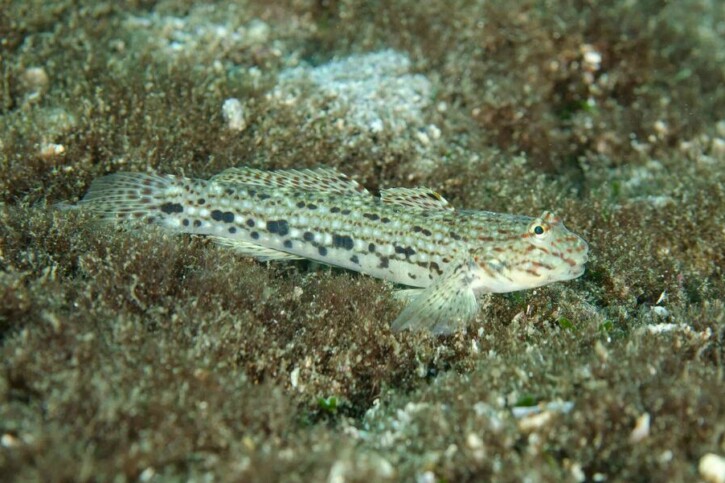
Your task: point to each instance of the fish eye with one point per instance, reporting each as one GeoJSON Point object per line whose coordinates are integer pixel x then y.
{"type": "Point", "coordinates": [539, 229]}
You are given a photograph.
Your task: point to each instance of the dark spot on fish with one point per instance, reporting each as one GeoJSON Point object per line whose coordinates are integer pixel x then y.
{"type": "Point", "coordinates": [228, 217]}
{"type": "Point", "coordinates": [371, 247]}
{"type": "Point", "coordinates": [345, 212]}
{"type": "Point", "coordinates": [354, 259]}
{"type": "Point", "coordinates": [407, 251]}
{"type": "Point", "coordinates": [323, 251]}
{"type": "Point", "coordinates": [417, 229]}
{"type": "Point", "coordinates": [263, 196]}
{"type": "Point", "coordinates": [170, 208]}
{"type": "Point", "coordinates": [384, 262]}
{"type": "Point", "coordinates": [371, 216]}
{"type": "Point", "coordinates": [217, 215]}
{"type": "Point", "coordinates": [252, 193]}
{"type": "Point", "coordinates": [197, 223]}
{"type": "Point", "coordinates": [250, 223]}
{"type": "Point", "coordinates": [426, 232]}
{"type": "Point", "coordinates": [308, 236]}
{"type": "Point", "coordinates": [342, 241]}
{"type": "Point", "coordinates": [412, 276]}
{"type": "Point", "coordinates": [385, 219]}
{"type": "Point", "coordinates": [300, 204]}
{"type": "Point", "coordinates": [288, 243]}
{"type": "Point", "coordinates": [254, 235]}
{"type": "Point", "coordinates": [185, 222]}
{"type": "Point", "coordinates": [201, 201]}
{"type": "Point", "coordinates": [434, 266]}
{"type": "Point", "coordinates": [334, 209]}
{"type": "Point", "coordinates": [229, 191]}
{"type": "Point", "coordinates": [279, 227]}
{"type": "Point", "coordinates": [232, 230]}
{"type": "Point", "coordinates": [454, 235]}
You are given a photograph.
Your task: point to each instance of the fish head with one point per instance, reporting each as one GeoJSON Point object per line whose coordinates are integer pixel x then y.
{"type": "Point", "coordinates": [541, 251]}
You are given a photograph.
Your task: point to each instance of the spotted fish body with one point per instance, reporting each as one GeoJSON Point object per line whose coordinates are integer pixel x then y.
{"type": "Point", "coordinates": [407, 236]}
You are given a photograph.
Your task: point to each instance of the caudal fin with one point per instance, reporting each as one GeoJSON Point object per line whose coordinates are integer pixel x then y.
{"type": "Point", "coordinates": [132, 196]}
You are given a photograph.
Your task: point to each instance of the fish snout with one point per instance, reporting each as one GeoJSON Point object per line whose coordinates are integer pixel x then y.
{"type": "Point", "coordinates": [580, 256]}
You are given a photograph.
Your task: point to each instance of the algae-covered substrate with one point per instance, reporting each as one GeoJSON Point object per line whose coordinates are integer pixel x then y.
{"type": "Point", "coordinates": [139, 354]}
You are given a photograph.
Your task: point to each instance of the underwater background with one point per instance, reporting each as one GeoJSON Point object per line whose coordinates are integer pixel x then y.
{"type": "Point", "coordinates": [136, 354]}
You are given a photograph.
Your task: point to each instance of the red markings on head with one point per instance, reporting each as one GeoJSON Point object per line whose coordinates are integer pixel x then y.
{"type": "Point", "coordinates": [550, 217]}
{"type": "Point", "coordinates": [542, 265]}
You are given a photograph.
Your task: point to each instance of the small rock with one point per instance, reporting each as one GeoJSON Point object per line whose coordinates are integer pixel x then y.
{"type": "Point", "coordinates": [233, 113]}
{"type": "Point", "coordinates": [35, 81]}
{"type": "Point", "coordinates": [660, 311]}
{"type": "Point", "coordinates": [641, 429]}
{"type": "Point", "coordinates": [51, 150]}
{"type": "Point", "coordinates": [712, 468]}
{"type": "Point", "coordinates": [295, 377]}
{"type": "Point", "coordinates": [535, 421]}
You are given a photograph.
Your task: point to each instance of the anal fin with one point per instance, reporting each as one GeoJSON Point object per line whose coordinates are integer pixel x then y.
{"type": "Point", "coordinates": [447, 305]}
{"type": "Point", "coordinates": [248, 249]}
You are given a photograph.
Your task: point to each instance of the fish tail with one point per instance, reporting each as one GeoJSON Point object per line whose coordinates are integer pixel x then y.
{"type": "Point", "coordinates": [142, 197]}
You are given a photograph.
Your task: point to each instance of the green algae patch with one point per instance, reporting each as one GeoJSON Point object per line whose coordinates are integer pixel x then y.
{"type": "Point", "coordinates": [328, 404]}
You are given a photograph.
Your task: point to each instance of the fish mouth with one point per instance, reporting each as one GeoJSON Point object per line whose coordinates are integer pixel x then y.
{"type": "Point", "coordinates": [575, 270]}
{"type": "Point", "coordinates": [580, 267]}
{"type": "Point", "coordinates": [581, 260]}
{"type": "Point", "coordinates": [569, 274]}
{"type": "Point", "coordinates": [578, 271]}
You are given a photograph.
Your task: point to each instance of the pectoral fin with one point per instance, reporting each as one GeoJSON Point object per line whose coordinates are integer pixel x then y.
{"type": "Point", "coordinates": [447, 305]}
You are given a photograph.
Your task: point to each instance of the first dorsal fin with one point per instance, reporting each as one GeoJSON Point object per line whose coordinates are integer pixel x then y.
{"type": "Point", "coordinates": [422, 198]}
{"type": "Point", "coordinates": [326, 180]}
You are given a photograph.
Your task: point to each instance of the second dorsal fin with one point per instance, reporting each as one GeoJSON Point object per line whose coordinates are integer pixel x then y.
{"type": "Point", "coordinates": [421, 198]}
{"type": "Point", "coordinates": [327, 180]}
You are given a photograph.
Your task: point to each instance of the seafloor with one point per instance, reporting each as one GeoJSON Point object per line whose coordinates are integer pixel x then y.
{"type": "Point", "coordinates": [143, 355]}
